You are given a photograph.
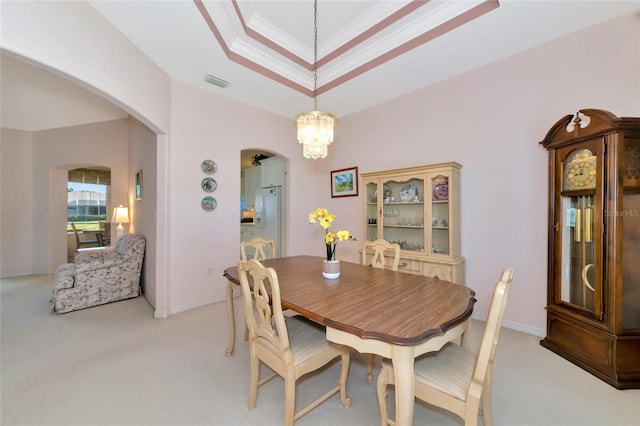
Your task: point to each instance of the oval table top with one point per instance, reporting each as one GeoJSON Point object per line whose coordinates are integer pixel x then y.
{"type": "Point", "coordinates": [371, 303]}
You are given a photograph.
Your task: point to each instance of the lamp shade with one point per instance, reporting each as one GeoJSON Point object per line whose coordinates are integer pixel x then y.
{"type": "Point", "coordinates": [120, 214]}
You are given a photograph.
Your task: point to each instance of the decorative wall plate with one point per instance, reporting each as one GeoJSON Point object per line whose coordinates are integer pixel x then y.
{"type": "Point", "coordinates": [209, 203]}
{"type": "Point", "coordinates": [209, 184]}
{"type": "Point", "coordinates": [209, 167]}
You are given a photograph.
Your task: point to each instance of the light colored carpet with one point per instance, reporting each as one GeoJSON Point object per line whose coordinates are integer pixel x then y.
{"type": "Point", "coordinates": [116, 365]}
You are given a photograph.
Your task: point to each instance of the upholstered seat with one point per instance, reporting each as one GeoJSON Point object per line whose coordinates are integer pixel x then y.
{"type": "Point", "coordinates": [100, 276]}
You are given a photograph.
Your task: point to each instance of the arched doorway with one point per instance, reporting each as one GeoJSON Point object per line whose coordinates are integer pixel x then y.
{"type": "Point", "coordinates": [264, 197]}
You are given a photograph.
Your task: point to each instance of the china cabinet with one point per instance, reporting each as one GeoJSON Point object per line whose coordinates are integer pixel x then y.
{"type": "Point", "coordinates": [593, 299]}
{"type": "Point", "coordinates": [418, 208]}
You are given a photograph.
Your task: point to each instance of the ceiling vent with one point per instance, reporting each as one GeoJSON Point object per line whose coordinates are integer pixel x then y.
{"type": "Point", "coordinates": [216, 81]}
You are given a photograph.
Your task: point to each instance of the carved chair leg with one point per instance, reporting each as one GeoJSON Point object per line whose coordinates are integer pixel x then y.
{"type": "Point", "coordinates": [381, 391]}
{"type": "Point", "coordinates": [290, 398]}
{"type": "Point", "coordinates": [255, 373]}
{"type": "Point", "coordinates": [344, 372]}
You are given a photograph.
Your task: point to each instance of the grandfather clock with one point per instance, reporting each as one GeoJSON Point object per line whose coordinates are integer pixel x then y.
{"type": "Point", "coordinates": [593, 299]}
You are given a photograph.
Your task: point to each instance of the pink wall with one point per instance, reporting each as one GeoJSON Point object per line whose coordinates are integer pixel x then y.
{"type": "Point", "coordinates": [54, 153]}
{"type": "Point", "coordinates": [206, 126]}
{"type": "Point", "coordinates": [16, 203]}
{"type": "Point", "coordinates": [142, 156]}
{"type": "Point", "coordinates": [490, 120]}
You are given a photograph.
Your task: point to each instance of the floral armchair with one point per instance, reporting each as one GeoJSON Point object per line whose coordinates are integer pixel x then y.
{"type": "Point", "coordinates": [100, 276]}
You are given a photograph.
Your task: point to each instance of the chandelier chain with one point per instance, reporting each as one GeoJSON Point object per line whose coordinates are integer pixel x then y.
{"type": "Point", "coordinates": [315, 54]}
{"type": "Point", "coordinates": [315, 128]}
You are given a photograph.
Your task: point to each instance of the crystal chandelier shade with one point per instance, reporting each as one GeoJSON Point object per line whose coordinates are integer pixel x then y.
{"type": "Point", "coordinates": [315, 128]}
{"type": "Point", "coordinates": [315, 132]}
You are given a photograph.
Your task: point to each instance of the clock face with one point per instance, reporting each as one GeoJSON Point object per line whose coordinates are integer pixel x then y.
{"type": "Point", "coordinates": [580, 170]}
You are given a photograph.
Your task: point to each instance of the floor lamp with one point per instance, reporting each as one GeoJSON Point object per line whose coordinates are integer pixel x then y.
{"type": "Point", "coordinates": [120, 216]}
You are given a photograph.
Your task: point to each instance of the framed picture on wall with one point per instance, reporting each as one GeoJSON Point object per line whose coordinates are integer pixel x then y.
{"type": "Point", "coordinates": [137, 185]}
{"type": "Point", "coordinates": [344, 182]}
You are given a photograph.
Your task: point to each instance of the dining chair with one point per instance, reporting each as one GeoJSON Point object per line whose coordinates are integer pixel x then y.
{"type": "Point", "coordinates": [106, 235]}
{"type": "Point", "coordinates": [80, 243]}
{"type": "Point", "coordinates": [379, 247]}
{"type": "Point", "coordinates": [258, 244]}
{"type": "Point", "coordinates": [455, 378]}
{"type": "Point", "coordinates": [291, 347]}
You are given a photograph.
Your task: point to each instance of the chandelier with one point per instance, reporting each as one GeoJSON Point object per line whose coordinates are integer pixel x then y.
{"type": "Point", "coordinates": [315, 128]}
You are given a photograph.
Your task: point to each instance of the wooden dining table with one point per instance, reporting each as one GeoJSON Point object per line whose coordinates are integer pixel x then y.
{"type": "Point", "coordinates": [392, 314]}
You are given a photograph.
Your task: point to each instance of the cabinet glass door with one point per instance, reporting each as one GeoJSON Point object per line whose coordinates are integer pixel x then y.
{"type": "Point", "coordinates": [371, 210]}
{"type": "Point", "coordinates": [403, 213]}
{"type": "Point", "coordinates": [578, 235]}
{"type": "Point", "coordinates": [439, 196]}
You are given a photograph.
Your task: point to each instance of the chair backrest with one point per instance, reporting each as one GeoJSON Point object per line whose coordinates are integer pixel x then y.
{"type": "Point", "coordinates": [258, 244]}
{"type": "Point", "coordinates": [487, 351]}
{"type": "Point", "coordinates": [75, 232]}
{"type": "Point", "coordinates": [107, 231]}
{"type": "Point", "coordinates": [130, 245]}
{"type": "Point", "coordinates": [255, 280]}
{"type": "Point", "coordinates": [379, 247]}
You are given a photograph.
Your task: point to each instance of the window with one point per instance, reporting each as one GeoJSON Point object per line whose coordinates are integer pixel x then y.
{"type": "Point", "coordinates": [87, 193]}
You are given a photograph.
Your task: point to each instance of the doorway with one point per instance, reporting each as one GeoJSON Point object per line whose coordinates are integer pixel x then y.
{"type": "Point", "coordinates": [264, 197]}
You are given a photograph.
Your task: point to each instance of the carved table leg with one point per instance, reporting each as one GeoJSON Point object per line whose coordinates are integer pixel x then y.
{"type": "Point", "coordinates": [402, 358]}
{"type": "Point", "coordinates": [465, 340]}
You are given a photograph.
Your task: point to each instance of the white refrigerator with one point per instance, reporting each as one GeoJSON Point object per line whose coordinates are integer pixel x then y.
{"type": "Point", "coordinates": [268, 220]}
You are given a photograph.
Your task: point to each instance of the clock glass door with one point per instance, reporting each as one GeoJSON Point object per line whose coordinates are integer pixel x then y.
{"type": "Point", "coordinates": [629, 216]}
{"type": "Point", "coordinates": [578, 237]}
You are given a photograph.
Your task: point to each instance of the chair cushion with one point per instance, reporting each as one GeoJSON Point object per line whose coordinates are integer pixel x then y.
{"type": "Point", "coordinates": [306, 338]}
{"type": "Point", "coordinates": [448, 370]}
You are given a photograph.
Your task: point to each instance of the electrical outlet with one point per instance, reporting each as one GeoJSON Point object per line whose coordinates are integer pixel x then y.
{"type": "Point", "coordinates": [210, 271]}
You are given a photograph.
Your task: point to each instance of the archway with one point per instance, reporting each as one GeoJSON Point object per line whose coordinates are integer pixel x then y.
{"type": "Point", "coordinates": [264, 204]}
{"type": "Point", "coordinates": [48, 245]}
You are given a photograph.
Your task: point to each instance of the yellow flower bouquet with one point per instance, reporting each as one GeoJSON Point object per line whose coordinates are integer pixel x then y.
{"type": "Point", "coordinates": [325, 219]}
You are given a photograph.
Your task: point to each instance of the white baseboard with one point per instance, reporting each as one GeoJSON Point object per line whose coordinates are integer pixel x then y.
{"type": "Point", "coordinates": [160, 314]}
{"type": "Point", "coordinates": [539, 332]}
{"type": "Point", "coordinates": [183, 308]}
{"type": "Point", "coordinates": [167, 313]}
